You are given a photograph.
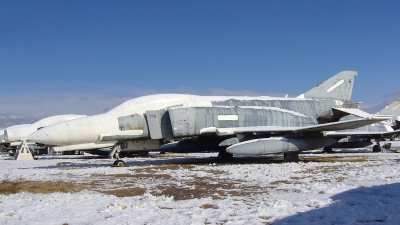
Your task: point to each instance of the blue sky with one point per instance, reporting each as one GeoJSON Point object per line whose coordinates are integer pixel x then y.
{"type": "Point", "coordinates": [86, 57]}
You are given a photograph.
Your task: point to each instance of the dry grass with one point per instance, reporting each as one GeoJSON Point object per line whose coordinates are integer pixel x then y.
{"type": "Point", "coordinates": [63, 163]}
{"type": "Point", "coordinates": [125, 192]}
{"type": "Point", "coordinates": [208, 206]}
{"type": "Point", "coordinates": [38, 187]}
{"type": "Point", "coordinates": [133, 176]}
{"type": "Point", "coordinates": [207, 188]}
{"type": "Point", "coordinates": [333, 159]}
{"type": "Point", "coordinates": [163, 183]}
{"type": "Point", "coordinates": [265, 218]}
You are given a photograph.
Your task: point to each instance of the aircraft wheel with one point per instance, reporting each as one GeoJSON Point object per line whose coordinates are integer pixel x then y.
{"type": "Point", "coordinates": [376, 148]}
{"type": "Point", "coordinates": [224, 155]}
{"type": "Point", "coordinates": [145, 153]}
{"type": "Point", "coordinates": [387, 146]}
{"type": "Point", "coordinates": [327, 150]}
{"type": "Point", "coordinates": [291, 157]}
{"type": "Point", "coordinates": [119, 163]}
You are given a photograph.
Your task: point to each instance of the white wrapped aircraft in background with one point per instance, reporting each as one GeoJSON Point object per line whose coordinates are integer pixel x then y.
{"type": "Point", "coordinates": [362, 137]}
{"type": "Point", "coordinates": [14, 135]}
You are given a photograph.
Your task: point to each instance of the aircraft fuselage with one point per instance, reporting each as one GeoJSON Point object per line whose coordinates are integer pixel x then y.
{"type": "Point", "coordinates": [183, 116]}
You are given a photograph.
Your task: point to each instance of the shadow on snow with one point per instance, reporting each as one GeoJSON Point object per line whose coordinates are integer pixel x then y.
{"type": "Point", "coordinates": [364, 205]}
{"type": "Point", "coordinates": [158, 159]}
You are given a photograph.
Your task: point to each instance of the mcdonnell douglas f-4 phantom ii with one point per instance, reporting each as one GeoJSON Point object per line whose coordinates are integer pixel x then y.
{"type": "Point", "coordinates": [20, 132]}
{"type": "Point", "coordinates": [226, 124]}
{"type": "Point", "coordinates": [362, 136]}
{"type": "Point", "coordinates": [393, 110]}
{"type": "Point", "coordinates": [14, 136]}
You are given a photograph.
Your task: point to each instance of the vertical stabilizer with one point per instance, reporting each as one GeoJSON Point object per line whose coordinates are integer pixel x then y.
{"type": "Point", "coordinates": [338, 87]}
{"type": "Point", "coordinates": [392, 109]}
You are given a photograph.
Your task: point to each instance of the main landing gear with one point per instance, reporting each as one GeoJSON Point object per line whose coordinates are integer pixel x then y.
{"type": "Point", "coordinates": [224, 155]}
{"type": "Point", "coordinates": [327, 150]}
{"type": "Point", "coordinates": [291, 157]}
{"type": "Point", "coordinates": [377, 147]}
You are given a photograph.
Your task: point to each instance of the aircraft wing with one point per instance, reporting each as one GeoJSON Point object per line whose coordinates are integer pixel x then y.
{"type": "Point", "coordinates": [341, 125]}
{"type": "Point", "coordinates": [340, 134]}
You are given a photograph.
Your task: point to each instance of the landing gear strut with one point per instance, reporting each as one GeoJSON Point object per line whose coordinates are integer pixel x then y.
{"type": "Point", "coordinates": [291, 157]}
{"type": "Point", "coordinates": [327, 150]}
{"type": "Point", "coordinates": [224, 155]}
{"type": "Point", "coordinates": [377, 147]}
{"type": "Point", "coordinates": [115, 153]}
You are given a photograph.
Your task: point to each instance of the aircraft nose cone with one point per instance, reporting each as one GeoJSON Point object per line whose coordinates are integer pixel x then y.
{"type": "Point", "coordinates": [50, 135]}
{"type": "Point", "coordinates": [40, 136]}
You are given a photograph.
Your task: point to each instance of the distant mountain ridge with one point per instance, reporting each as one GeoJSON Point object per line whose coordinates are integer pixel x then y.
{"type": "Point", "coordinates": [11, 120]}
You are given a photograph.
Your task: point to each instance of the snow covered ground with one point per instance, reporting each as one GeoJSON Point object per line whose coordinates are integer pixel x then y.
{"type": "Point", "coordinates": [348, 187]}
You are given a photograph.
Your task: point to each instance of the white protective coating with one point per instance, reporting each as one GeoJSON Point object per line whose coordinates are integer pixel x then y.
{"type": "Point", "coordinates": [257, 140]}
{"type": "Point", "coordinates": [19, 132]}
{"type": "Point", "coordinates": [84, 146]}
{"type": "Point", "coordinates": [388, 127]}
{"type": "Point", "coordinates": [274, 109]}
{"type": "Point", "coordinates": [356, 112]}
{"type": "Point", "coordinates": [155, 102]}
{"type": "Point", "coordinates": [126, 132]}
{"type": "Point", "coordinates": [2, 137]}
{"type": "Point", "coordinates": [88, 129]}
{"type": "Point", "coordinates": [228, 117]}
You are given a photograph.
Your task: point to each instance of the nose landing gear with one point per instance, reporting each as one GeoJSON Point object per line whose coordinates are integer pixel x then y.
{"type": "Point", "coordinates": [115, 153]}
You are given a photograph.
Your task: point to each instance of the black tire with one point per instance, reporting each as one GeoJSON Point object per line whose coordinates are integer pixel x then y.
{"type": "Point", "coordinates": [224, 155]}
{"type": "Point", "coordinates": [387, 146]}
{"type": "Point", "coordinates": [328, 150]}
{"type": "Point", "coordinates": [376, 148]}
{"type": "Point", "coordinates": [144, 153]}
{"type": "Point", "coordinates": [119, 163]}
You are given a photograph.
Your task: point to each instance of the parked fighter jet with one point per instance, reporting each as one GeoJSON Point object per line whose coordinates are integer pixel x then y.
{"type": "Point", "coordinates": [363, 136]}
{"type": "Point", "coordinates": [12, 136]}
{"type": "Point", "coordinates": [2, 141]}
{"type": "Point", "coordinates": [393, 110]}
{"type": "Point", "coordinates": [249, 125]}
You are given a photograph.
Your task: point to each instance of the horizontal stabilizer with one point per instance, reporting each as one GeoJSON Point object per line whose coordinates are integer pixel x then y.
{"type": "Point", "coordinates": [352, 111]}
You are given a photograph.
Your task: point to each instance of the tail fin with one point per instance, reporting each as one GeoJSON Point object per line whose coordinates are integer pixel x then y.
{"type": "Point", "coordinates": [338, 87]}
{"type": "Point", "coordinates": [392, 109]}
